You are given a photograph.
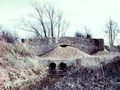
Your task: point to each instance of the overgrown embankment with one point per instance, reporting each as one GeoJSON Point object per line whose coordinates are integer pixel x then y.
{"type": "Point", "coordinates": [22, 70]}
{"type": "Point", "coordinates": [104, 76]}
{"type": "Point", "coordinates": [19, 69]}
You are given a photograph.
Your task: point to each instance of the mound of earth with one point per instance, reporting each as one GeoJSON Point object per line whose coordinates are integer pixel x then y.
{"type": "Point", "coordinates": [104, 52]}
{"type": "Point", "coordinates": [65, 53]}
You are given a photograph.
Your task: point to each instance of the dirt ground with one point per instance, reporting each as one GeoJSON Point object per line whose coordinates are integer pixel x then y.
{"type": "Point", "coordinates": [65, 53]}
{"type": "Point", "coordinates": [21, 70]}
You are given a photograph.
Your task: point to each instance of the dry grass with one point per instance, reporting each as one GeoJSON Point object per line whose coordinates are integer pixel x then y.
{"type": "Point", "coordinates": [21, 70]}
{"type": "Point", "coordinates": [100, 71]}
{"type": "Point", "coordinates": [1, 47]}
{"type": "Point", "coordinates": [106, 76]}
{"type": "Point", "coordinates": [16, 49]}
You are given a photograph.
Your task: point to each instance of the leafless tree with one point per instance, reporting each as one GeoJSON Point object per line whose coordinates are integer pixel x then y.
{"type": "Point", "coordinates": [87, 32]}
{"type": "Point", "coordinates": [48, 21]}
{"type": "Point", "coordinates": [112, 30]}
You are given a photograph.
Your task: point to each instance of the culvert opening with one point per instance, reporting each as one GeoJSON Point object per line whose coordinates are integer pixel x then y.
{"type": "Point", "coordinates": [52, 65]}
{"type": "Point", "coordinates": [22, 40]}
{"type": "Point", "coordinates": [63, 66]}
{"type": "Point", "coordinates": [63, 45]}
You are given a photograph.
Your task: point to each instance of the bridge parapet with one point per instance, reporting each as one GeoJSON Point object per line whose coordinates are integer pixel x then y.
{"type": "Point", "coordinates": [40, 46]}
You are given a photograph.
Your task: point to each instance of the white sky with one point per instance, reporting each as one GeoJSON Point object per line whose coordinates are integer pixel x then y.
{"type": "Point", "coordinates": [92, 13]}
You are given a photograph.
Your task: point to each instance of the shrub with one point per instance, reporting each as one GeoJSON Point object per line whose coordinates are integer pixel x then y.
{"type": "Point", "coordinates": [78, 34]}
{"type": "Point", "coordinates": [88, 36]}
{"type": "Point", "coordinates": [9, 37]}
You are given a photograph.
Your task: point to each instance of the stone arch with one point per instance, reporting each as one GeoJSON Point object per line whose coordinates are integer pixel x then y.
{"type": "Point", "coordinates": [22, 40]}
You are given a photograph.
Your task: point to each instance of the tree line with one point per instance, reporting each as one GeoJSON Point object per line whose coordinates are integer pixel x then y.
{"type": "Point", "coordinates": [111, 30]}
{"type": "Point", "coordinates": [48, 22]}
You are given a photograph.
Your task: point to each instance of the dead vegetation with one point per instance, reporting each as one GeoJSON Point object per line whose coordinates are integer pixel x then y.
{"type": "Point", "coordinates": [105, 76]}
{"type": "Point", "coordinates": [16, 49]}
{"type": "Point", "coordinates": [22, 70]}
{"type": "Point", "coordinates": [19, 68]}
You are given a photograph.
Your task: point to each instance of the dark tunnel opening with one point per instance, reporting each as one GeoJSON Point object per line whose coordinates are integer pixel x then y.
{"type": "Point", "coordinates": [63, 45]}
{"type": "Point", "coordinates": [63, 66]}
{"type": "Point", "coordinates": [52, 65]}
{"type": "Point", "coordinates": [22, 40]}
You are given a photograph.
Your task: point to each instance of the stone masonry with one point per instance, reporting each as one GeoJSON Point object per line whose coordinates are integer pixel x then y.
{"type": "Point", "coordinates": [40, 46]}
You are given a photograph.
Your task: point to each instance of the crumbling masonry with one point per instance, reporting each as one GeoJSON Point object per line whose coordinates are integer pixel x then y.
{"type": "Point", "coordinates": [40, 46]}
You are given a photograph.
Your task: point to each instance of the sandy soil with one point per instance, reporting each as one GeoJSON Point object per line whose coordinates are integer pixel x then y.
{"type": "Point", "coordinates": [65, 53]}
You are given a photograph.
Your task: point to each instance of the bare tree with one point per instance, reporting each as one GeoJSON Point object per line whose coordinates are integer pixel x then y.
{"type": "Point", "coordinates": [112, 30]}
{"type": "Point", "coordinates": [87, 32]}
{"type": "Point", "coordinates": [48, 21]}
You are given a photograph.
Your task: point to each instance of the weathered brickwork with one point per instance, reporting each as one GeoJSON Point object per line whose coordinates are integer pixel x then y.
{"type": "Point", "coordinates": [44, 45]}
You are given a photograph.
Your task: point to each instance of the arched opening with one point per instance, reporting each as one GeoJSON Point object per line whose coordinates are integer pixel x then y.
{"type": "Point", "coordinates": [52, 65]}
{"type": "Point", "coordinates": [22, 40]}
{"type": "Point", "coordinates": [64, 45]}
{"type": "Point", "coordinates": [63, 66]}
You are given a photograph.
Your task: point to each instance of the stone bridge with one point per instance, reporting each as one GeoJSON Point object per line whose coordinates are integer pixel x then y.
{"type": "Point", "coordinates": [40, 46]}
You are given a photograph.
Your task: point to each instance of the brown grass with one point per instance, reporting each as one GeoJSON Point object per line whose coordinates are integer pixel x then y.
{"type": "Point", "coordinates": [1, 47]}
{"type": "Point", "coordinates": [16, 49]}
{"type": "Point", "coordinates": [21, 70]}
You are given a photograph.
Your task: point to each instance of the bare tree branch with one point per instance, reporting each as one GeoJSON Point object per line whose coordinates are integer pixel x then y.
{"type": "Point", "coordinates": [51, 21]}
{"type": "Point", "coordinates": [112, 30]}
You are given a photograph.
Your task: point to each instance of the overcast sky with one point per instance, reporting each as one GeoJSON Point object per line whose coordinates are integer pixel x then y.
{"type": "Point", "coordinates": [92, 13]}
